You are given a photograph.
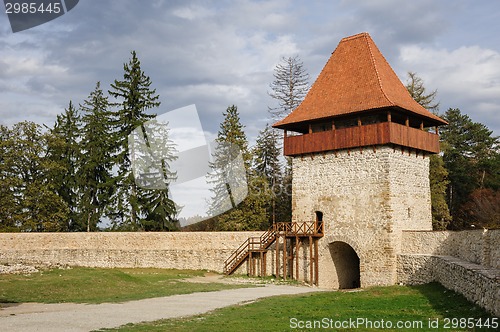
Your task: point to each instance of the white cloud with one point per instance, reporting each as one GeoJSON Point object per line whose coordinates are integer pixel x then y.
{"type": "Point", "coordinates": [193, 12]}
{"type": "Point", "coordinates": [467, 78]}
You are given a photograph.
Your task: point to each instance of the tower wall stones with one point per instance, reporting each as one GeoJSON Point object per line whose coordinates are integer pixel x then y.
{"type": "Point", "coordinates": [367, 197]}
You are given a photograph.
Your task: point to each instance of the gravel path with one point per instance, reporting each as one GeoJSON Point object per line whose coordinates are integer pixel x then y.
{"type": "Point", "coordinates": [86, 317]}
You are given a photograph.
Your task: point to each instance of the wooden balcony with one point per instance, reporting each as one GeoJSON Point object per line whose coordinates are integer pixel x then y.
{"type": "Point", "coordinates": [360, 136]}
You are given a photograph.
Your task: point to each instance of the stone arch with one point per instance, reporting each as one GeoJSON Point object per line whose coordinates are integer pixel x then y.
{"type": "Point", "coordinates": [346, 262]}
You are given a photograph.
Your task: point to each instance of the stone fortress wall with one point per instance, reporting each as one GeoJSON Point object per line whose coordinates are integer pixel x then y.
{"type": "Point", "coordinates": [169, 250]}
{"type": "Point", "coordinates": [467, 261]}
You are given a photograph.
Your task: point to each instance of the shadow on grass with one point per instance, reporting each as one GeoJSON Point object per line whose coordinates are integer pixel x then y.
{"type": "Point", "coordinates": [450, 304]}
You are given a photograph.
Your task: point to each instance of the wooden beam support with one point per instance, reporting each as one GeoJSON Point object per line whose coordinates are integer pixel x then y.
{"type": "Point", "coordinates": [389, 118]}
{"type": "Point", "coordinates": [297, 256]}
{"type": "Point", "coordinates": [316, 260]}
{"type": "Point", "coordinates": [277, 256]}
{"type": "Point", "coordinates": [311, 271]}
{"type": "Point", "coordinates": [285, 259]}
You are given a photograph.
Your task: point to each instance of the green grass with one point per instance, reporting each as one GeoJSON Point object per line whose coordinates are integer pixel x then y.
{"type": "Point", "coordinates": [91, 285]}
{"type": "Point", "coordinates": [395, 303]}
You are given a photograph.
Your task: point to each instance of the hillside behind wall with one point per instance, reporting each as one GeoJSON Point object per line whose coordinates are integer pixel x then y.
{"type": "Point", "coordinates": [467, 262]}
{"type": "Point", "coordinates": [179, 250]}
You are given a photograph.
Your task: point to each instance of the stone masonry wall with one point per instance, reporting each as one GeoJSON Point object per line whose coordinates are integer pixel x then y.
{"type": "Point", "coordinates": [467, 262]}
{"type": "Point", "coordinates": [180, 250]}
{"type": "Point", "coordinates": [367, 197]}
{"type": "Point", "coordinates": [477, 284]}
{"type": "Point", "coordinates": [476, 246]}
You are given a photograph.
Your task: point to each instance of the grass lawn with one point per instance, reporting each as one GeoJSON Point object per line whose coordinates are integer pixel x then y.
{"type": "Point", "coordinates": [292, 313]}
{"type": "Point", "coordinates": [92, 285]}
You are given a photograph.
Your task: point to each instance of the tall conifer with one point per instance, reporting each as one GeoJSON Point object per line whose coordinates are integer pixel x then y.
{"type": "Point", "coordinates": [133, 97]}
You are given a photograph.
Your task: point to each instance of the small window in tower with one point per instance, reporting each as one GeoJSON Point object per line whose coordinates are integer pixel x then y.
{"type": "Point", "coordinates": [319, 221]}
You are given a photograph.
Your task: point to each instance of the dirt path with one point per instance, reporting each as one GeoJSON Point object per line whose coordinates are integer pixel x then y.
{"type": "Point", "coordinates": [87, 317]}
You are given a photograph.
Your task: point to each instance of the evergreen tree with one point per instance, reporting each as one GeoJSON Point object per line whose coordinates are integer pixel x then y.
{"type": "Point", "coordinates": [231, 141]}
{"type": "Point", "coordinates": [134, 97]}
{"type": "Point", "coordinates": [290, 86]}
{"type": "Point", "coordinates": [471, 157]}
{"type": "Point", "coordinates": [27, 172]}
{"type": "Point", "coordinates": [152, 153]}
{"type": "Point", "coordinates": [416, 88]}
{"type": "Point", "coordinates": [251, 213]}
{"type": "Point", "coordinates": [438, 174]}
{"type": "Point", "coordinates": [95, 178]}
{"type": "Point", "coordinates": [267, 165]}
{"type": "Point", "coordinates": [10, 203]}
{"type": "Point", "coordinates": [64, 149]}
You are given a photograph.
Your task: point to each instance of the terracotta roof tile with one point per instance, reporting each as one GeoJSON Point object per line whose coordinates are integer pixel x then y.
{"type": "Point", "coordinates": [356, 78]}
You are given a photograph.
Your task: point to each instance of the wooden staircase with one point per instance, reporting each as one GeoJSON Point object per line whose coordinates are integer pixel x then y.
{"type": "Point", "coordinates": [258, 246]}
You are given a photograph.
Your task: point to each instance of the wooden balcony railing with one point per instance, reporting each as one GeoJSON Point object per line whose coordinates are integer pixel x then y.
{"type": "Point", "coordinates": [366, 135]}
{"type": "Point", "coordinates": [262, 243]}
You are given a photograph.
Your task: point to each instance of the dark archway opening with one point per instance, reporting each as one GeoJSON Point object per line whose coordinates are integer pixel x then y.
{"type": "Point", "coordinates": [346, 262]}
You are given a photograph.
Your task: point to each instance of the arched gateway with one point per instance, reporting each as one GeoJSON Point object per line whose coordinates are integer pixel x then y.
{"type": "Point", "coordinates": [346, 262]}
{"type": "Point", "coordinates": [359, 146]}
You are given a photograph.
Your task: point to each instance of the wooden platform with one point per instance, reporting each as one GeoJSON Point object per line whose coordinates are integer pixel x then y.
{"type": "Point", "coordinates": [288, 235]}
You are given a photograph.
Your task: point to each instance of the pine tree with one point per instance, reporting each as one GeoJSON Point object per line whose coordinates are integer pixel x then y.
{"type": "Point", "coordinates": [64, 149]}
{"type": "Point", "coordinates": [37, 207]}
{"type": "Point", "coordinates": [134, 97]}
{"type": "Point", "coordinates": [471, 157]}
{"type": "Point", "coordinates": [267, 164]}
{"type": "Point", "coordinates": [231, 141]}
{"type": "Point", "coordinates": [290, 86]}
{"type": "Point", "coordinates": [152, 153]}
{"type": "Point", "coordinates": [251, 213]}
{"type": "Point", "coordinates": [95, 179]}
{"type": "Point", "coordinates": [438, 174]}
{"type": "Point", "coordinates": [416, 88]}
{"type": "Point", "coordinates": [10, 204]}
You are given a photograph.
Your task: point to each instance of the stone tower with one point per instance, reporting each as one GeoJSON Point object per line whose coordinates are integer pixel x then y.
{"type": "Point", "coordinates": [360, 147]}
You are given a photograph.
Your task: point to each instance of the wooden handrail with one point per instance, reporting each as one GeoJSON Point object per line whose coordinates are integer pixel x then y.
{"type": "Point", "coordinates": [263, 242]}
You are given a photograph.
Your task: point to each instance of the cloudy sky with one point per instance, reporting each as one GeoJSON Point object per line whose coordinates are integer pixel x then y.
{"type": "Point", "coordinates": [218, 53]}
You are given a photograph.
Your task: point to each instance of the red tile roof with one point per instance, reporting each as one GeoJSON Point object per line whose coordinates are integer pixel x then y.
{"type": "Point", "coordinates": [356, 78]}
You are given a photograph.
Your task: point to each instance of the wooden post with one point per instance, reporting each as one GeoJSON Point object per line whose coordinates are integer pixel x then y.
{"type": "Point", "coordinates": [333, 125]}
{"type": "Point", "coordinates": [285, 133]}
{"type": "Point", "coordinates": [285, 259]}
{"type": "Point", "coordinates": [297, 249]}
{"type": "Point", "coordinates": [316, 260]}
{"type": "Point", "coordinates": [422, 125]}
{"type": "Point", "coordinates": [436, 129]}
{"type": "Point", "coordinates": [310, 129]}
{"type": "Point", "coordinates": [249, 264]}
{"type": "Point", "coordinates": [277, 256]}
{"type": "Point", "coordinates": [389, 119]}
{"type": "Point", "coordinates": [407, 121]}
{"type": "Point", "coordinates": [359, 122]}
{"type": "Point", "coordinates": [311, 261]}
{"type": "Point", "coordinates": [261, 266]}
{"type": "Point", "coordinates": [264, 264]}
